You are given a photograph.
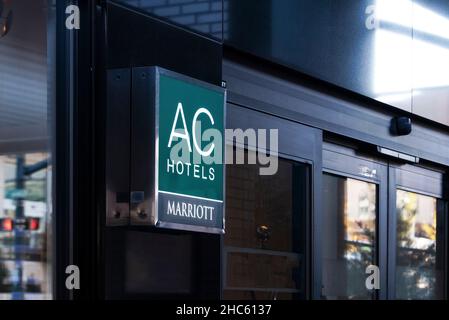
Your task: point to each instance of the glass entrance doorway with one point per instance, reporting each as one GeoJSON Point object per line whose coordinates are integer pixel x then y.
{"type": "Point", "coordinates": [417, 255]}
{"type": "Point", "coordinates": [266, 248]}
{"type": "Point", "coordinates": [350, 235]}
{"type": "Point", "coordinates": [354, 205]}
{"type": "Point", "coordinates": [382, 214]}
{"type": "Point", "coordinates": [264, 244]}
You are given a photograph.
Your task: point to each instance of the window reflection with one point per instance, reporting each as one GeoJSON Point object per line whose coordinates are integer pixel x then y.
{"type": "Point", "coordinates": [392, 65]}
{"type": "Point", "coordinates": [265, 232]}
{"type": "Point", "coordinates": [402, 61]}
{"type": "Point", "coordinates": [349, 236]}
{"type": "Point", "coordinates": [417, 275]}
{"type": "Point", "coordinates": [24, 271]}
{"type": "Point", "coordinates": [420, 60]}
{"type": "Point", "coordinates": [25, 170]}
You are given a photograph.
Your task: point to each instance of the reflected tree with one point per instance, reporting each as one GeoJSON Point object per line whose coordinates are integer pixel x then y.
{"type": "Point", "coordinates": [415, 265]}
{"type": "Point", "coordinates": [364, 255]}
{"type": "Point", "coordinates": [360, 250]}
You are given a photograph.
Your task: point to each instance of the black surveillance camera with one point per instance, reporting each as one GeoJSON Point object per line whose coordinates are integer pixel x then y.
{"type": "Point", "coordinates": [401, 126]}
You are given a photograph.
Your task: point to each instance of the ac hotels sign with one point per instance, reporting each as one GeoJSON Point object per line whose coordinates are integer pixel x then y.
{"type": "Point", "coordinates": [188, 153]}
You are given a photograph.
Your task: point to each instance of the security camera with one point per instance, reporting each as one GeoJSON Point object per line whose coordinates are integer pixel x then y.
{"type": "Point", "coordinates": [401, 126]}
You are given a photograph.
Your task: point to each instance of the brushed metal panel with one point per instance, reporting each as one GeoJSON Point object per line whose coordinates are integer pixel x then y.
{"type": "Point", "coordinates": [118, 146]}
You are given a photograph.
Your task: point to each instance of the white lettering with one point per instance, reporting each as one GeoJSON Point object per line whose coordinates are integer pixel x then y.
{"type": "Point", "coordinates": [171, 208]}
{"type": "Point", "coordinates": [174, 133]}
{"type": "Point", "coordinates": [170, 166]}
{"type": "Point", "coordinates": [198, 214]}
{"type": "Point", "coordinates": [208, 152]}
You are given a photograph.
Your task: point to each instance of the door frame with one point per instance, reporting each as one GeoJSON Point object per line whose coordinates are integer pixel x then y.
{"type": "Point", "coordinates": [424, 181]}
{"type": "Point", "coordinates": [347, 162]}
{"type": "Point", "coordinates": [428, 180]}
{"type": "Point", "coordinates": [299, 143]}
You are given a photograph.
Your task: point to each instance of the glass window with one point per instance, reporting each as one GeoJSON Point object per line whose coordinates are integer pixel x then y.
{"type": "Point", "coordinates": [364, 45]}
{"type": "Point", "coordinates": [396, 52]}
{"type": "Point", "coordinates": [265, 232]}
{"type": "Point", "coordinates": [349, 236]}
{"type": "Point", "coordinates": [205, 16]}
{"type": "Point", "coordinates": [431, 59]}
{"type": "Point", "coordinates": [25, 168]}
{"type": "Point", "coordinates": [419, 260]}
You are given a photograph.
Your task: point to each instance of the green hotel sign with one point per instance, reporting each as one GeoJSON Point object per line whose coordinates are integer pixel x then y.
{"type": "Point", "coordinates": [190, 181]}
{"type": "Point", "coordinates": [189, 122]}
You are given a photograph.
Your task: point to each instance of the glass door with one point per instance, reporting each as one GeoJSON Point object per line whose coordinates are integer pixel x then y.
{"type": "Point", "coordinates": [386, 215]}
{"type": "Point", "coordinates": [354, 206]}
{"type": "Point", "coordinates": [265, 249]}
{"type": "Point", "coordinates": [418, 228]}
{"type": "Point", "coordinates": [264, 244]}
{"type": "Point", "coordinates": [349, 237]}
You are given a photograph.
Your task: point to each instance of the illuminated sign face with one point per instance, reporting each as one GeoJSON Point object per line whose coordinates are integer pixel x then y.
{"type": "Point", "coordinates": [189, 165]}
